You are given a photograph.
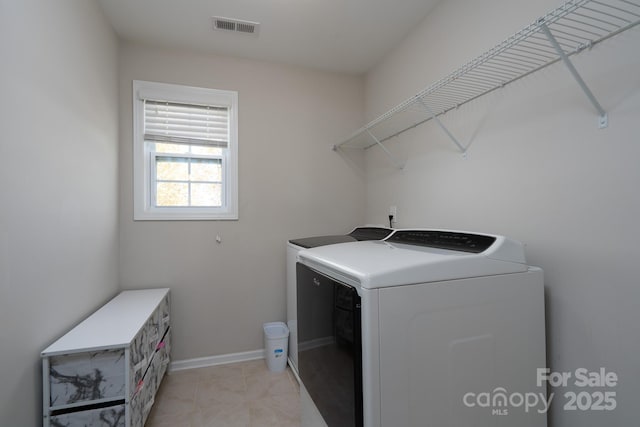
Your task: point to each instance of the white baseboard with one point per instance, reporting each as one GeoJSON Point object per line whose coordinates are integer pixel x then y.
{"type": "Point", "coordinates": [222, 359]}
{"type": "Point", "coordinates": [294, 370]}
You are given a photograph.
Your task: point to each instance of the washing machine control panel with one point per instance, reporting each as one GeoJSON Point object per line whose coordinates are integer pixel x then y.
{"type": "Point", "coordinates": [451, 240]}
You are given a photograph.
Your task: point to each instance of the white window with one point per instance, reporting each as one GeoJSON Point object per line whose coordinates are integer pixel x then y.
{"type": "Point", "coordinates": [185, 152]}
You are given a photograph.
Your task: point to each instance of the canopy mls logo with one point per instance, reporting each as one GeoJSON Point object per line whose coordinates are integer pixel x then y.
{"type": "Point", "coordinates": [500, 401]}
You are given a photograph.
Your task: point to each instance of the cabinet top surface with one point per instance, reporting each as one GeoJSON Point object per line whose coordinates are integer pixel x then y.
{"type": "Point", "coordinates": [114, 325]}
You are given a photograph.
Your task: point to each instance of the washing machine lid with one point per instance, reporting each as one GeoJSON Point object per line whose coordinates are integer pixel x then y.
{"type": "Point", "coordinates": [417, 256]}
{"type": "Point", "coordinates": [358, 234]}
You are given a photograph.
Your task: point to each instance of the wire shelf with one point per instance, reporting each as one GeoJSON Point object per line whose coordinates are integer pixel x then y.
{"type": "Point", "coordinates": [565, 31]}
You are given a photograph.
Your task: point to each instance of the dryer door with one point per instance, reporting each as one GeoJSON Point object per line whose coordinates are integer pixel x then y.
{"type": "Point", "coordinates": [330, 346]}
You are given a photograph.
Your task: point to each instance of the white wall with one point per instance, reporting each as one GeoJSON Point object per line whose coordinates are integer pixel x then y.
{"type": "Point", "coordinates": [538, 170]}
{"type": "Point", "coordinates": [58, 215]}
{"type": "Point", "coordinates": [290, 185]}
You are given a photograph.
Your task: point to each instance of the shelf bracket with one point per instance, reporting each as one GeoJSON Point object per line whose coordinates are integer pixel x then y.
{"type": "Point", "coordinates": [603, 120]}
{"type": "Point", "coordinates": [442, 126]}
{"type": "Point", "coordinates": [393, 160]}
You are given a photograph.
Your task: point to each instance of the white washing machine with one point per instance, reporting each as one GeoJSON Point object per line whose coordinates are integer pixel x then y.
{"type": "Point", "coordinates": [293, 247]}
{"type": "Point", "coordinates": [418, 329]}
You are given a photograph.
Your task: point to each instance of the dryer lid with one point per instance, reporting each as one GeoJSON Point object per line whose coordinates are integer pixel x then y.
{"type": "Point", "coordinates": [356, 235]}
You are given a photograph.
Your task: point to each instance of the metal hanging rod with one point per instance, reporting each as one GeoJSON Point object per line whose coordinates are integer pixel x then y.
{"type": "Point", "coordinates": [571, 28]}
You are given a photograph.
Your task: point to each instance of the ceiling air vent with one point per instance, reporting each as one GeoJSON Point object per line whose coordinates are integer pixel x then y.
{"type": "Point", "coordinates": [235, 25]}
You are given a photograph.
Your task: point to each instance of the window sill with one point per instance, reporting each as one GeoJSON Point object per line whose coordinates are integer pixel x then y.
{"type": "Point", "coordinates": [184, 216]}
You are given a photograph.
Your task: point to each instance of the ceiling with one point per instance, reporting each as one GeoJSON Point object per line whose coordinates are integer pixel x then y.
{"type": "Point", "coordinates": [348, 36]}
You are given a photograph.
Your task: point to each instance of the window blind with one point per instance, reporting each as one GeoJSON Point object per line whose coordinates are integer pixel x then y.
{"type": "Point", "coordinates": [186, 123]}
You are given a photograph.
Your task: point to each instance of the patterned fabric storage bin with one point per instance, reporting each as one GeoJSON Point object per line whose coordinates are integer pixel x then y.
{"type": "Point", "coordinates": [113, 416]}
{"type": "Point", "coordinates": [85, 377]}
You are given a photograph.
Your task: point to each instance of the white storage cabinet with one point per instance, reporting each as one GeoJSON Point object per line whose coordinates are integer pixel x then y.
{"type": "Point", "coordinates": [106, 371]}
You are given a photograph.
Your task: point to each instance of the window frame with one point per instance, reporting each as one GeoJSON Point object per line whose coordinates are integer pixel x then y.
{"type": "Point", "coordinates": [144, 157]}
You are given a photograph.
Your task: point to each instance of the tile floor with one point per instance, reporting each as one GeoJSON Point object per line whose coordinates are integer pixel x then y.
{"type": "Point", "coordinates": [243, 394]}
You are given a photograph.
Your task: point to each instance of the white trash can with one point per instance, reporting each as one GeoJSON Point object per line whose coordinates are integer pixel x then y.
{"type": "Point", "coordinates": [276, 342]}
